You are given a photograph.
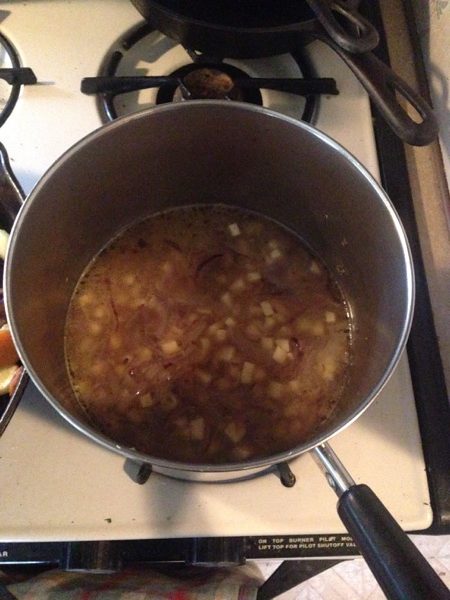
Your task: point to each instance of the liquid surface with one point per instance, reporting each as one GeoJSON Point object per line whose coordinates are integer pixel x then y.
{"type": "Point", "coordinates": [207, 335]}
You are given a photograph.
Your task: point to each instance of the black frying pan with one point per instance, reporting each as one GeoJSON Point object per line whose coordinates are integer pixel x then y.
{"type": "Point", "coordinates": [348, 28]}
{"type": "Point", "coordinates": [256, 28]}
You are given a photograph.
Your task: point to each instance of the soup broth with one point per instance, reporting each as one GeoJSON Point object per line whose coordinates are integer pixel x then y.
{"type": "Point", "coordinates": [207, 335]}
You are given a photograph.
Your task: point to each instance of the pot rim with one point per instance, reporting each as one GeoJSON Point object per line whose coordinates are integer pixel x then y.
{"type": "Point", "coordinates": [259, 463]}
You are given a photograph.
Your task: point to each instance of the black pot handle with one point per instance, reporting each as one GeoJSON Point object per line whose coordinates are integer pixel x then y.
{"type": "Point", "coordinates": [365, 37]}
{"type": "Point", "coordinates": [381, 83]}
{"type": "Point", "coordinates": [398, 566]}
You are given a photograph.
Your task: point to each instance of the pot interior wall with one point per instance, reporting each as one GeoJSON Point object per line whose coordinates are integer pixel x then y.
{"type": "Point", "coordinates": [203, 153]}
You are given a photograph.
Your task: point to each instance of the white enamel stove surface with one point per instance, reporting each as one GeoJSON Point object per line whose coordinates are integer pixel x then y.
{"type": "Point", "coordinates": [56, 484]}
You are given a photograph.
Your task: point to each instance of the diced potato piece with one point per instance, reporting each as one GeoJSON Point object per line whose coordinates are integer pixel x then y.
{"type": "Point", "coordinates": [170, 347]}
{"type": "Point", "coordinates": [329, 368]}
{"type": "Point", "coordinates": [269, 322]}
{"type": "Point", "coordinates": [129, 279]}
{"type": "Point", "coordinates": [226, 353]}
{"type": "Point", "coordinates": [252, 331]}
{"type": "Point", "coordinates": [285, 330]}
{"type": "Point", "coordinates": [279, 355]}
{"type": "Point", "coordinates": [283, 343]}
{"type": "Point", "coordinates": [167, 267]}
{"type": "Point", "coordinates": [266, 308]}
{"type": "Point", "coordinates": [98, 368]}
{"type": "Point", "coordinates": [203, 376]}
{"type": "Point", "coordinates": [247, 372]}
{"type": "Point", "coordinates": [267, 343]}
{"type": "Point", "coordinates": [169, 402]}
{"type": "Point", "coordinates": [136, 292]}
{"type": "Point", "coordinates": [305, 325]}
{"type": "Point", "coordinates": [226, 299]}
{"type": "Point", "coordinates": [273, 244]}
{"type": "Point", "coordinates": [253, 276]}
{"type": "Point", "coordinates": [204, 311]}
{"type": "Point", "coordinates": [235, 431]}
{"type": "Point", "coordinates": [234, 229]}
{"type": "Point", "coordinates": [221, 335]}
{"type": "Point", "coordinates": [146, 400]}
{"type": "Point", "coordinates": [87, 344]}
{"type": "Point", "coordinates": [291, 409]}
{"type": "Point", "coordinates": [224, 384]}
{"type": "Point", "coordinates": [151, 302]}
{"type": "Point", "coordinates": [294, 385]}
{"type": "Point", "coordinates": [121, 299]}
{"type": "Point", "coordinates": [242, 452]}
{"type": "Point", "coordinates": [275, 254]}
{"type": "Point", "coordinates": [86, 299]}
{"type": "Point", "coordinates": [115, 341]}
{"type": "Point", "coordinates": [175, 332]}
{"type": "Point", "coordinates": [197, 427]}
{"type": "Point", "coordinates": [137, 302]}
{"type": "Point", "coordinates": [214, 327]}
{"type": "Point", "coordinates": [82, 388]}
{"type": "Point", "coordinates": [255, 311]}
{"type": "Point", "coordinates": [95, 328]}
{"type": "Point", "coordinates": [230, 322]}
{"type": "Point", "coordinates": [144, 353]}
{"type": "Point", "coordinates": [120, 370]}
{"type": "Point", "coordinates": [314, 268]}
{"type": "Point", "coordinates": [205, 344]}
{"type": "Point", "coordinates": [330, 317]}
{"type": "Point", "coordinates": [275, 389]}
{"type": "Point", "coordinates": [317, 329]}
{"type": "Point", "coordinates": [238, 285]}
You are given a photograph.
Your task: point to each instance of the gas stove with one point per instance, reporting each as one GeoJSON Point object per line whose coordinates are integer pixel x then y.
{"type": "Point", "coordinates": [58, 486]}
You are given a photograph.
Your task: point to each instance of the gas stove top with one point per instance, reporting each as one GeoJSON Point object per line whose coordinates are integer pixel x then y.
{"type": "Point", "coordinates": [59, 486]}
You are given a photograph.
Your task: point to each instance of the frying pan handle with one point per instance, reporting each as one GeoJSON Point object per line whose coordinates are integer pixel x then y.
{"type": "Point", "coordinates": [381, 83]}
{"type": "Point", "coordinates": [396, 563]}
{"type": "Point", "coordinates": [365, 39]}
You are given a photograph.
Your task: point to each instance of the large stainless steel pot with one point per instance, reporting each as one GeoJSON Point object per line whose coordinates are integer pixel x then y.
{"type": "Point", "coordinates": [234, 154]}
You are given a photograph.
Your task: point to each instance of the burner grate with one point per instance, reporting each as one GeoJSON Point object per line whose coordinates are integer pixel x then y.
{"type": "Point", "coordinates": [206, 77]}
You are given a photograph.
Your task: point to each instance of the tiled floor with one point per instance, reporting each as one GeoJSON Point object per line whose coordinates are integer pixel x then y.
{"type": "Point", "coordinates": [353, 580]}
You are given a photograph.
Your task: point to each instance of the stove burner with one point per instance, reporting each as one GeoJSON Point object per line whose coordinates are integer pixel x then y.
{"type": "Point", "coordinates": [206, 77]}
{"type": "Point", "coordinates": [140, 473]}
{"type": "Point", "coordinates": [12, 77]}
{"type": "Point", "coordinates": [211, 82]}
